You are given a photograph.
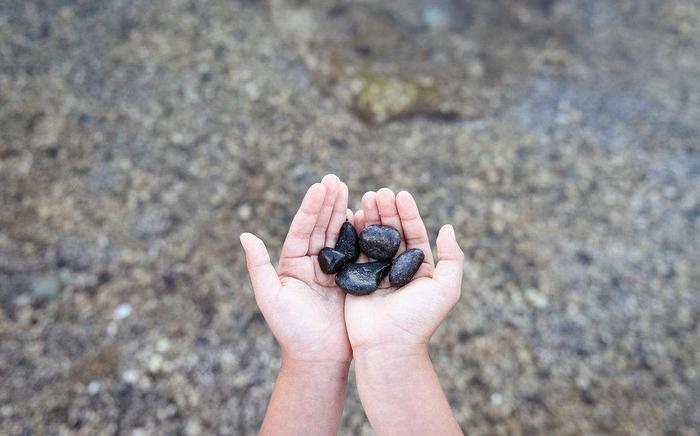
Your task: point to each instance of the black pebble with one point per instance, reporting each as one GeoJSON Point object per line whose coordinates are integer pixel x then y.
{"type": "Point", "coordinates": [348, 242]}
{"type": "Point", "coordinates": [380, 242]}
{"type": "Point", "coordinates": [331, 261]}
{"type": "Point", "coordinates": [362, 278]}
{"type": "Point", "coordinates": [405, 266]}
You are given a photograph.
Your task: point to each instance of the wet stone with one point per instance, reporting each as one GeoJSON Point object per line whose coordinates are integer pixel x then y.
{"type": "Point", "coordinates": [405, 266]}
{"type": "Point", "coordinates": [331, 261]}
{"type": "Point", "coordinates": [380, 242]}
{"type": "Point", "coordinates": [362, 278]}
{"type": "Point", "coordinates": [348, 243]}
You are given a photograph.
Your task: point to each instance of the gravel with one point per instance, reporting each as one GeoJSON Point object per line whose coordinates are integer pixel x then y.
{"type": "Point", "coordinates": [139, 138]}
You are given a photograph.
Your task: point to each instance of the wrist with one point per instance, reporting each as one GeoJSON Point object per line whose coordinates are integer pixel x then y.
{"type": "Point", "coordinates": [391, 352]}
{"type": "Point", "coordinates": [308, 398]}
{"type": "Point", "coordinates": [322, 370]}
{"type": "Point", "coordinates": [390, 363]}
{"type": "Point", "coordinates": [401, 393]}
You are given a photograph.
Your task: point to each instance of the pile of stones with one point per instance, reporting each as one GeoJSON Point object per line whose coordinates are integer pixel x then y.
{"type": "Point", "coordinates": [378, 242]}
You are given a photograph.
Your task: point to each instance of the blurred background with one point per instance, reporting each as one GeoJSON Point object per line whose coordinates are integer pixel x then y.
{"type": "Point", "coordinates": [139, 138]}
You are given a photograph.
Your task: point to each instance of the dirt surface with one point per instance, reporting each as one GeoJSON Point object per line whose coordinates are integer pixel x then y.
{"type": "Point", "coordinates": [138, 138]}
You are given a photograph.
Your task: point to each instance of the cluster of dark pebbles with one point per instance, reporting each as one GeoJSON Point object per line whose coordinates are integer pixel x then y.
{"type": "Point", "coordinates": [379, 243]}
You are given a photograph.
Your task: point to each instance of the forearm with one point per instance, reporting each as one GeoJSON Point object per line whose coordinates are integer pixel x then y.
{"type": "Point", "coordinates": [401, 393]}
{"type": "Point", "coordinates": [307, 399]}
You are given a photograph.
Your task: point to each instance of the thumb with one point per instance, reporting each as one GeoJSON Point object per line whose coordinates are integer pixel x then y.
{"type": "Point", "coordinates": [262, 274]}
{"type": "Point", "coordinates": [448, 271]}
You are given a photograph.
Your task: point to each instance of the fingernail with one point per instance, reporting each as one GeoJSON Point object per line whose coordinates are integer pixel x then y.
{"type": "Point", "coordinates": [329, 176]}
{"type": "Point", "coordinates": [450, 229]}
{"type": "Point", "coordinates": [242, 237]}
{"type": "Point", "coordinates": [316, 187]}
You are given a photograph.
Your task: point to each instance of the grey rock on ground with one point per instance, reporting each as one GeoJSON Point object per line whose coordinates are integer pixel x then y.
{"type": "Point", "coordinates": [139, 138]}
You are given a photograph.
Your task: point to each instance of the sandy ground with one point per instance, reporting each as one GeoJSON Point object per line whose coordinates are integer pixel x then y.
{"type": "Point", "coordinates": [139, 138]}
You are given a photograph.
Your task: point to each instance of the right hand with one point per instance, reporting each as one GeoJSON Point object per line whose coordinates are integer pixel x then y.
{"type": "Point", "coordinates": [303, 306]}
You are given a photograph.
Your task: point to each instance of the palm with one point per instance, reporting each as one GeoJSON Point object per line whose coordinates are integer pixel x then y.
{"type": "Point", "coordinates": [390, 318]}
{"type": "Point", "coordinates": [303, 306]}
{"type": "Point", "coordinates": [410, 315]}
{"type": "Point", "coordinates": [311, 311]}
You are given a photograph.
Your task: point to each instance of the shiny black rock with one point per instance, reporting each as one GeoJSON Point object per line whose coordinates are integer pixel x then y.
{"type": "Point", "coordinates": [348, 242]}
{"type": "Point", "coordinates": [405, 266]}
{"type": "Point", "coordinates": [362, 278]}
{"type": "Point", "coordinates": [380, 242]}
{"type": "Point", "coordinates": [331, 261]}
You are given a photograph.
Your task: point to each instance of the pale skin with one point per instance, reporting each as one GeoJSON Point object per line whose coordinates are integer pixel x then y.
{"type": "Point", "coordinates": [320, 329]}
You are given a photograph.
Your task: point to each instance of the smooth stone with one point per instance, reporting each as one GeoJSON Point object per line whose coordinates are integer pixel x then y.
{"type": "Point", "coordinates": [362, 278]}
{"type": "Point", "coordinates": [405, 266]}
{"type": "Point", "coordinates": [348, 242]}
{"type": "Point", "coordinates": [380, 242]}
{"type": "Point", "coordinates": [46, 285]}
{"type": "Point", "coordinates": [331, 261]}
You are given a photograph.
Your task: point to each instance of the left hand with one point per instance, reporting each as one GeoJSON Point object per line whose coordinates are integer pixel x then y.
{"type": "Point", "coordinates": [402, 320]}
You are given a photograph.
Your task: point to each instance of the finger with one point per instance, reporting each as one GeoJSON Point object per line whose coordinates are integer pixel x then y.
{"type": "Point", "coordinates": [369, 206]}
{"type": "Point", "coordinates": [448, 271]}
{"type": "Point", "coordinates": [262, 274]}
{"type": "Point", "coordinates": [359, 225]}
{"type": "Point", "coordinates": [414, 232]}
{"type": "Point", "coordinates": [297, 242]}
{"type": "Point", "coordinates": [350, 217]}
{"type": "Point", "coordinates": [359, 221]}
{"type": "Point", "coordinates": [338, 217]}
{"type": "Point", "coordinates": [386, 205]}
{"type": "Point", "coordinates": [318, 236]}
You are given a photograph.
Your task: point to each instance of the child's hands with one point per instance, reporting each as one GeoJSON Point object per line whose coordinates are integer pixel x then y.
{"type": "Point", "coordinates": [403, 320]}
{"type": "Point", "coordinates": [389, 330]}
{"type": "Point", "coordinates": [302, 305]}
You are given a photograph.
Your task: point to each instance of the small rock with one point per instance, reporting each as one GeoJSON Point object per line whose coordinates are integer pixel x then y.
{"type": "Point", "coordinates": [130, 376]}
{"type": "Point", "coordinates": [245, 211]}
{"type": "Point", "coordinates": [436, 18]}
{"type": "Point", "coordinates": [347, 249]}
{"type": "Point", "coordinates": [155, 364]}
{"type": "Point", "coordinates": [405, 266]}
{"type": "Point", "coordinates": [46, 285]}
{"type": "Point", "coordinates": [93, 387]}
{"type": "Point", "coordinates": [362, 278]}
{"type": "Point", "coordinates": [583, 257]}
{"type": "Point", "coordinates": [177, 138]}
{"type": "Point", "coordinates": [380, 242]}
{"type": "Point", "coordinates": [163, 345]}
{"type": "Point", "coordinates": [331, 261]}
{"type": "Point", "coordinates": [536, 298]}
{"type": "Point", "coordinates": [496, 399]}
{"type": "Point", "coordinates": [348, 242]}
{"type": "Point", "coordinates": [122, 311]}
{"type": "Point", "coordinates": [252, 90]}
{"type": "Point", "coordinates": [447, 15]}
